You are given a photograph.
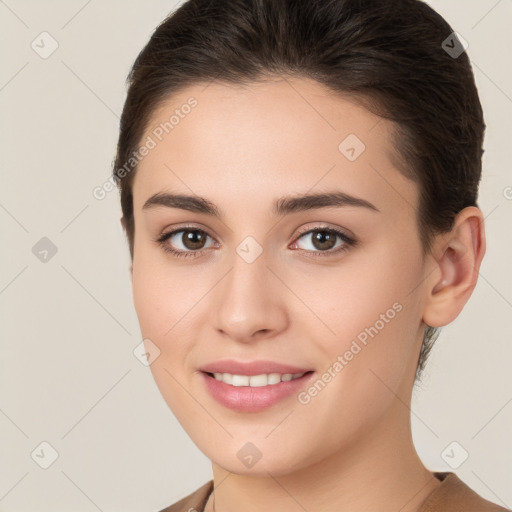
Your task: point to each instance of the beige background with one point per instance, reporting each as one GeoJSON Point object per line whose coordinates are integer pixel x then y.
{"type": "Point", "coordinates": [68, 375]}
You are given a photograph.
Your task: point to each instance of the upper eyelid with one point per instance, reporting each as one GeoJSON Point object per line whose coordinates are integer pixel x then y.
{"type": "Point", "coordinates": [303, 231]}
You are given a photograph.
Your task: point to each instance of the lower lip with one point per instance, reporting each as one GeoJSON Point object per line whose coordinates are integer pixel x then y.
{"type": "Point", "coordinates": [249, 399]}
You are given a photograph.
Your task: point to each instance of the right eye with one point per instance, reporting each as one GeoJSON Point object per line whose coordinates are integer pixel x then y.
{"type": "Point", "coordinates": [192, 242]}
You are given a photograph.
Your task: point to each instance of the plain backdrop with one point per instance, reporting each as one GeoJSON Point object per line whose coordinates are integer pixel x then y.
{"type": "Point", "coordinates": [68, 375]}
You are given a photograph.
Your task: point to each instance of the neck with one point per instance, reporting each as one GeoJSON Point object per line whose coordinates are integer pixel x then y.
{"type": "Point", "coordinates": [378, 471]}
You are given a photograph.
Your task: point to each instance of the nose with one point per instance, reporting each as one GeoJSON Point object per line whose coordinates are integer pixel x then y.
{"type": "Point", "coordinates": [250, 302]}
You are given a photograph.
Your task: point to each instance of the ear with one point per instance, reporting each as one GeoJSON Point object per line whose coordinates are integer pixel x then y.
{"type": "Point", "coordinates": [123, 224]}
{"type": "Point", "coordinates": [458, 255]}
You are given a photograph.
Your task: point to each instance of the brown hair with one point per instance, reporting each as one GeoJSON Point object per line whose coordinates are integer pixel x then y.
{"type": "Point", "coordinates": [399, 58]}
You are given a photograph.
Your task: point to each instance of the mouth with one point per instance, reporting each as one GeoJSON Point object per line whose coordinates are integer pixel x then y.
{"type": "Point", "coordinates": [254, 393]}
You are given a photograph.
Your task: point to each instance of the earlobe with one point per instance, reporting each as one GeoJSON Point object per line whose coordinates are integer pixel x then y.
{"type": "Point", "coordinates": [458, 256]}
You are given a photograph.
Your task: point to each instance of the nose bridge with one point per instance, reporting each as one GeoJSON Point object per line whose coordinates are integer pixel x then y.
{"type": "Point", "coordinates": [248, 299]}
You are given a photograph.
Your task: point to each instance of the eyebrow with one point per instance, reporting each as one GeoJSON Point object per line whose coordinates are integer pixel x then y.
{"type": "Point", "coordinates": [282, 206]}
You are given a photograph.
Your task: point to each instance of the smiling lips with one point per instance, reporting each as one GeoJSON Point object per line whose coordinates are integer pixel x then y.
{"type": "Point", "coordinates": [254, 386]}
{"type": "Point", "coordinates": [253, 374]}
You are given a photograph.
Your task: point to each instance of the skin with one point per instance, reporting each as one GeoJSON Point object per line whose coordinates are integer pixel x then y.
{"type": "Point", "coordinates": [350, 447]}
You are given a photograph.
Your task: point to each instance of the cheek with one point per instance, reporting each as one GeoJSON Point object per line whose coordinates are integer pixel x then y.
{"type": "Point", "coordinates": [352, 296]}
{"type": "Point", "coordinates": [162, 294]}
{"type": "Point", "coordinates": [168, 300]}
{"type": "Point", "coordinates": [148, 289]}
{"type": "Point", "coordinates": [159, 305]}
{"type": "Point", "coordinates": [365, 363]}
{"type": "Point", "coordinates": [371, 313]}
{"type": "Point", "coordinates": [162, 314]}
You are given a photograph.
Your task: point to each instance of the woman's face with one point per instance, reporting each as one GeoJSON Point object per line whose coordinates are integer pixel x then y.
{"type": "Point", "coordinates": [251, 286]}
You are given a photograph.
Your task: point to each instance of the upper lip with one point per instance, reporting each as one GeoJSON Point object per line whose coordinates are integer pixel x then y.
{"type": "Point", "coordinates": [250, 367]}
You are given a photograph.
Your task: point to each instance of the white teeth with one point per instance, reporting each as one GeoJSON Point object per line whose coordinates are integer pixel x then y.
{"type": "Point", "coordinates": [255, 381]}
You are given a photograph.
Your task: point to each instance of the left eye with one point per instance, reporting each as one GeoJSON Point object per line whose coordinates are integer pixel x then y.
{"type": "Point", "coordinates": [324, 240]}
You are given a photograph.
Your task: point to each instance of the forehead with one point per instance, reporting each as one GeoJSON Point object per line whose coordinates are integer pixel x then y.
{"type": "Point", "coordinates": [224, 141]}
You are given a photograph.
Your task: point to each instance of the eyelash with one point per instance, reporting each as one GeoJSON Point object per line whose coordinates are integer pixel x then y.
{"type": "Point", "coordinates": [348, 242]}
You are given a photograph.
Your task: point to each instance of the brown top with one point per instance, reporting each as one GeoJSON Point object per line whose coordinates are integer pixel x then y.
{"type": "Point", "coordinates": [453, 495]}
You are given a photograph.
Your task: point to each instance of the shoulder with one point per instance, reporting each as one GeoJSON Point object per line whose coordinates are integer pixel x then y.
{"type": "Point", "coordinates": [194, 502]}
{"type": "Point", "coordinates": [454, 495]}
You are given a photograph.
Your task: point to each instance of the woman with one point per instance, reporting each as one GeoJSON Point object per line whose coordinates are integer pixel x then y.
{"type": "Point", "coordinates": [298, 185]}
